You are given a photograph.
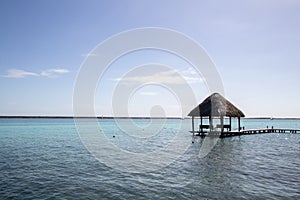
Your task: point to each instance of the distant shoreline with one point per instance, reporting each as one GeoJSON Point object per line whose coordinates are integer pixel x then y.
{"type": "Point", "coordinates": [85, 117]}
{"type": "Point", "coordinates": [107, 117]}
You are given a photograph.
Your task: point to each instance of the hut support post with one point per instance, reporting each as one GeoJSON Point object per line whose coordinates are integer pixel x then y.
{"type": "Point", "coordinates": [201, 127]}
{"type": "Point", "coordinates": [229, 123]}
{"type": "Point", "coordinates": [210, 123]}
{"type": "Point", "coordinates": [222, 124]}
{"type": "Point", "coordinates": [193, 125]}
{"type": "Point", "coordinates": [239, 123]}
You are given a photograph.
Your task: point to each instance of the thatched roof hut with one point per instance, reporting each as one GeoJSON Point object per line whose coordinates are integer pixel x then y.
{"type": "Point", "coordinates": [216, 105]}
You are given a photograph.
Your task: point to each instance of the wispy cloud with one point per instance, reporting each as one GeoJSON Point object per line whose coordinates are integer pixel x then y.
{"type": "Point", "coordinates": [191, 75]}
{"type": "Point", "coordinates": [189, 71]}
{"type": "Point", "coordinates": [54, 72]}
{"type": "Point", "coordinates": [148, 93]}
{"type": "Point", "coordinates": [88, 55]}
{"type": "Point", "coordinates": [19, 73]}
{"type": "Point", "coordinates": [188, 75]}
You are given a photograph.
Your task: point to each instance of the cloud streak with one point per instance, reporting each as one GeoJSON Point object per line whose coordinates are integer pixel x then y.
{"type": "Point", "coordinates": [19, 73]}
{"type": "Point", "coordinates": [188, 75]}
{"type": "Point", "coordinates": [54, 72]}
{"type": "Point", "coordinates": [89, 55]}
{"type": "Point", "coordinates": [148, 93]}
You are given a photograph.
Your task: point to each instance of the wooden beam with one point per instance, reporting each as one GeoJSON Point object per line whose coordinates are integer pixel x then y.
{"type": "Point", "coordinates": [230, 123]}
{"type": "Point", "coordinates": [210, 123]}
{"type": "Point", "coordinates": [193, 125]}
{"type": "Point", "coordinates": [201, 122]}
{"type": "Point", "coordinates": [222, 124]}
{"type": "Point", "coordinates": [239, 123]}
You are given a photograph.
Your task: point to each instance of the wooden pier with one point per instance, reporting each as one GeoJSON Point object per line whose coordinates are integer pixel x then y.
{"type": "Point", "coordinates": [217, 107]}
{"type": "Point", "coordinates": [270, 130]}
{"type": "Point", "coordinates": [246, 132]}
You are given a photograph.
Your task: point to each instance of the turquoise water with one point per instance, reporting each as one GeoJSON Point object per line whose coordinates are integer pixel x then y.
{"type": "Point", "coordinates": [45, 159]}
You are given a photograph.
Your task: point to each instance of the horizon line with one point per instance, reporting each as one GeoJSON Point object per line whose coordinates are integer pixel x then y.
{"type": "Point", "coordinates": [122, 117]}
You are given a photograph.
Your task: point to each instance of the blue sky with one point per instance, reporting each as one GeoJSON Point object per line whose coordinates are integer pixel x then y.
{"type": "Point", "coordinates": [255, 45]}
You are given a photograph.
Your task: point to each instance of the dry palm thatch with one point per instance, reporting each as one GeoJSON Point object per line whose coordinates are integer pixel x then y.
{"type": "Point", "coordinates": [216, 105]}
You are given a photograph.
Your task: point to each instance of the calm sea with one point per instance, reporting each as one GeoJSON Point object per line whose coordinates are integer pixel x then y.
{"type": "Point", "coordinates": [45, 159]}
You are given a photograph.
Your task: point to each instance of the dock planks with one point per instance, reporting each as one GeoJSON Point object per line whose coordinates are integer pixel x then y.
{"type": "Point", "coordinates": [248, 132]}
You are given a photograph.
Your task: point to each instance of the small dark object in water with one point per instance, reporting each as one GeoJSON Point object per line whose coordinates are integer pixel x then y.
{"type": "Point", "coordinates": [193, 142]}
{"type": "Point", "coordinates": [114, 136]}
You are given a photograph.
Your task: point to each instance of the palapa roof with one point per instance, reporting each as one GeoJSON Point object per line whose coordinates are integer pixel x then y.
{"type": "Point", "coordinates": [216, 105]}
